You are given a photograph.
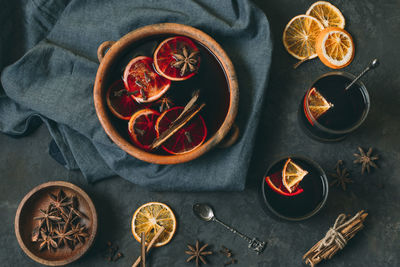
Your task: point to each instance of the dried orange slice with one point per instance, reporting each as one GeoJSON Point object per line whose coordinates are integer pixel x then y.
{"type": "Point", "coordinates": [335, 47]}
{"type": "Point", "coordinates": [327, 14]}
{"type": "Point", "coordinates": [317, 104]}
{"type": "Point", "coordinates": [149, 218]}
{"type": "Point", "coordinates": [300, 35]}
{"type": "Point", "coordinates": [292, 174]}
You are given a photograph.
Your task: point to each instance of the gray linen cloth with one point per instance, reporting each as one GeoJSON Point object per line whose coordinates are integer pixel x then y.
{"type": "Point", "coordinates": [55, 43]}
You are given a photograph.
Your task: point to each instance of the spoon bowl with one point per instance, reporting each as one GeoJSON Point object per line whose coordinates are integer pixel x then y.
{"type": "Point", "coordinates": [203, 211]}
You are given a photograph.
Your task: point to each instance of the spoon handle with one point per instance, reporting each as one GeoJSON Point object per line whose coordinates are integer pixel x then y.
{"type": "Point", "coordinates": [372, 65]}
{"type": "Point", "coordinates": [255, 244]}
{"type": "Point", "coordinates": [245, 237]}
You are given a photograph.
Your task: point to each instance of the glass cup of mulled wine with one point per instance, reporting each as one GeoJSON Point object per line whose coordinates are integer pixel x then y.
{"type": "Point", "coordinates": [328, 112]}
{"type": "Point", "coordinates": [294, 188]}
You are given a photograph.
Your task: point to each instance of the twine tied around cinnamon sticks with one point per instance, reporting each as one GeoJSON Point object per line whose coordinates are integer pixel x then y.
{"type": "Point", "coordinates": [333, 235]}
{"type": "Point", "coordinates": [336, 238]}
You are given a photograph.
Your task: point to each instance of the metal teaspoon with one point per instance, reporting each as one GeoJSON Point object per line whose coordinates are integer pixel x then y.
{"type": "Point", "coordinates": [205, 212]}
{"type": "Point", "coordinates": [372, 65]}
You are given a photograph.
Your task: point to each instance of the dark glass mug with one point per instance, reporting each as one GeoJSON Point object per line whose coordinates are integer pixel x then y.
{"type": "Point", "coordinates": [350, 107]}
{"type": "Point", "coordinates": [304, 205]}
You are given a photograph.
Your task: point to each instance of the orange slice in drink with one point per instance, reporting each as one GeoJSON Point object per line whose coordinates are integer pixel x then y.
{"type": "Point", "coordinates": [300, 35]}
{"type": "Point", "coordinates": [177, 58]}
{"type": "Point", "coordinates": [143, 81]}
{"type": "Point", "coordinates": [327, 14]}
{"type": "Point", "coordinates": [141, 128]}
{"type": "Point", "coordinates": [335, 47]}
{"type": "Point", "coordinates": [149, 218]}
{"type": "Point", "coordinates": [292, 174]}
{"type": "Point", "coordinates": [188, 138]}
{"type": "Point", "coordinates": [317, 104]}
{"type": "Point", "coordinates": [121, 105]}
{"type": "Point", "coordinates": [275, 182]}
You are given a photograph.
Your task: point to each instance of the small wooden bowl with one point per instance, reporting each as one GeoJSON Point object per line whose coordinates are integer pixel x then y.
{"type": "Point", "coordinates": [110, 52]}
{"type": "Point", "coordinates": [29, 208]}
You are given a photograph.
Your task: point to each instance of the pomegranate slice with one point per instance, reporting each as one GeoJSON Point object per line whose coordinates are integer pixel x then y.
{"type": "Point", "coordinates": [275, 183]}
{"type": "Point", "coordinates": [188, 138]}
{"type": "Point", "coordinates": [141, 79]}
{"type": "Point", "coordinates": [120, 103]}
{"type": "Point", "coordinates": [141, 128]}
{"type": "Point", "coordinates": [177, 58]}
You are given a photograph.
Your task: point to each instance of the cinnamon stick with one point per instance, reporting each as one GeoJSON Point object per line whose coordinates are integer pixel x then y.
{"type": "Point", "coordinates": [318, 252]}
{"type": "Point", "coordinates": [188, 112]}
{"type": "Point", "coordinates": [149, 246]}
{"type": "Point", "coordinates": [143, 249]}
{"type": "Point", "coordinates": [190, 104]}
{"type": "Point", "coordinates": [176, 125]}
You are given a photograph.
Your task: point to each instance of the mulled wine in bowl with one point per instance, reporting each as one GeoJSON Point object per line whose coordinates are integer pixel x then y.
{"type": "Point", "coordinates": [166, 93]}
{"type": "Point", "coordinates": [294, 188]}
{"type": "Point", "coordinates": [329, 112]}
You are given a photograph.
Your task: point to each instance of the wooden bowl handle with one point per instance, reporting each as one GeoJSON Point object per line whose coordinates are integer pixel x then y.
{"type": "Point", "coordinates": [231, 137]}
{"type": "Point", "coordinates": [102, 50]}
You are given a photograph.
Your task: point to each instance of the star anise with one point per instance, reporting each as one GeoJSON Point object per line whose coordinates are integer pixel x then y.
{"type": "Point", "coordinates": [63, 236]}
{"type": "Point", "coordinates": [342, 176]}
{"type": "Point", "coordinates": [48, 216]}
{"type": "Point", "coordinates": [79, 233]}
{"type": "Point", "coordinates": [74, 208]}
{"type": "Point", "coordinates": [47, 241]}
{"type": "Point", "coordinates": [185, 61]}
{"type": "Point", "coordinates": [366, 159]}
{"type": "Point", "coordinates": [198, 253]}
{"type": "Point", "coordinates": [165, 104]}
{"type": "Point", "coordinates": [60, 202]}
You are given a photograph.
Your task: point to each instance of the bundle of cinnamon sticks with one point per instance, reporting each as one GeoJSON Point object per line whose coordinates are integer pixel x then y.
{"type": "Point", "coordinates": [345, 228]}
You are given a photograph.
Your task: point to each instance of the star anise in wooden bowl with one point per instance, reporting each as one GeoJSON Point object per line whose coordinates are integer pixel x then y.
{"type": "Point", "coordinates": [56, 223]}
{"type": "Point", "coordinates": [60, 223]}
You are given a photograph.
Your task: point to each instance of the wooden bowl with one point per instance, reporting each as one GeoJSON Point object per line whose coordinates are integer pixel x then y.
{"type": "Point", "coordinates": [111, 52]}
{"type": "Point", "coordinates": [38, 198]}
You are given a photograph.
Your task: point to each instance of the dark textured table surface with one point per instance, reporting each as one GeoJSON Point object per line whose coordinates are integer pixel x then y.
{"type": "Point", "coordinates": [25, 163]}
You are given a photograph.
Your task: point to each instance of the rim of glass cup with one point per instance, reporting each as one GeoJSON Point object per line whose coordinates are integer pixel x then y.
{"type": "Point", "coordinates": [364, 91]}
{"type": "Point", "coordinates": [324, 181]}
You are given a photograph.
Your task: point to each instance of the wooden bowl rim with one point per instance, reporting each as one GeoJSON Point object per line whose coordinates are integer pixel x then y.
{"type": "Point", "coordinates": [90, 240]}
{"type": "Point", "coordinates": [159, 29]}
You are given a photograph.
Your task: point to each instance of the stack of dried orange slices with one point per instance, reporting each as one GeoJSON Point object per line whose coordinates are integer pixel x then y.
{"type": "Point", "coordinates": [320, 32]}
